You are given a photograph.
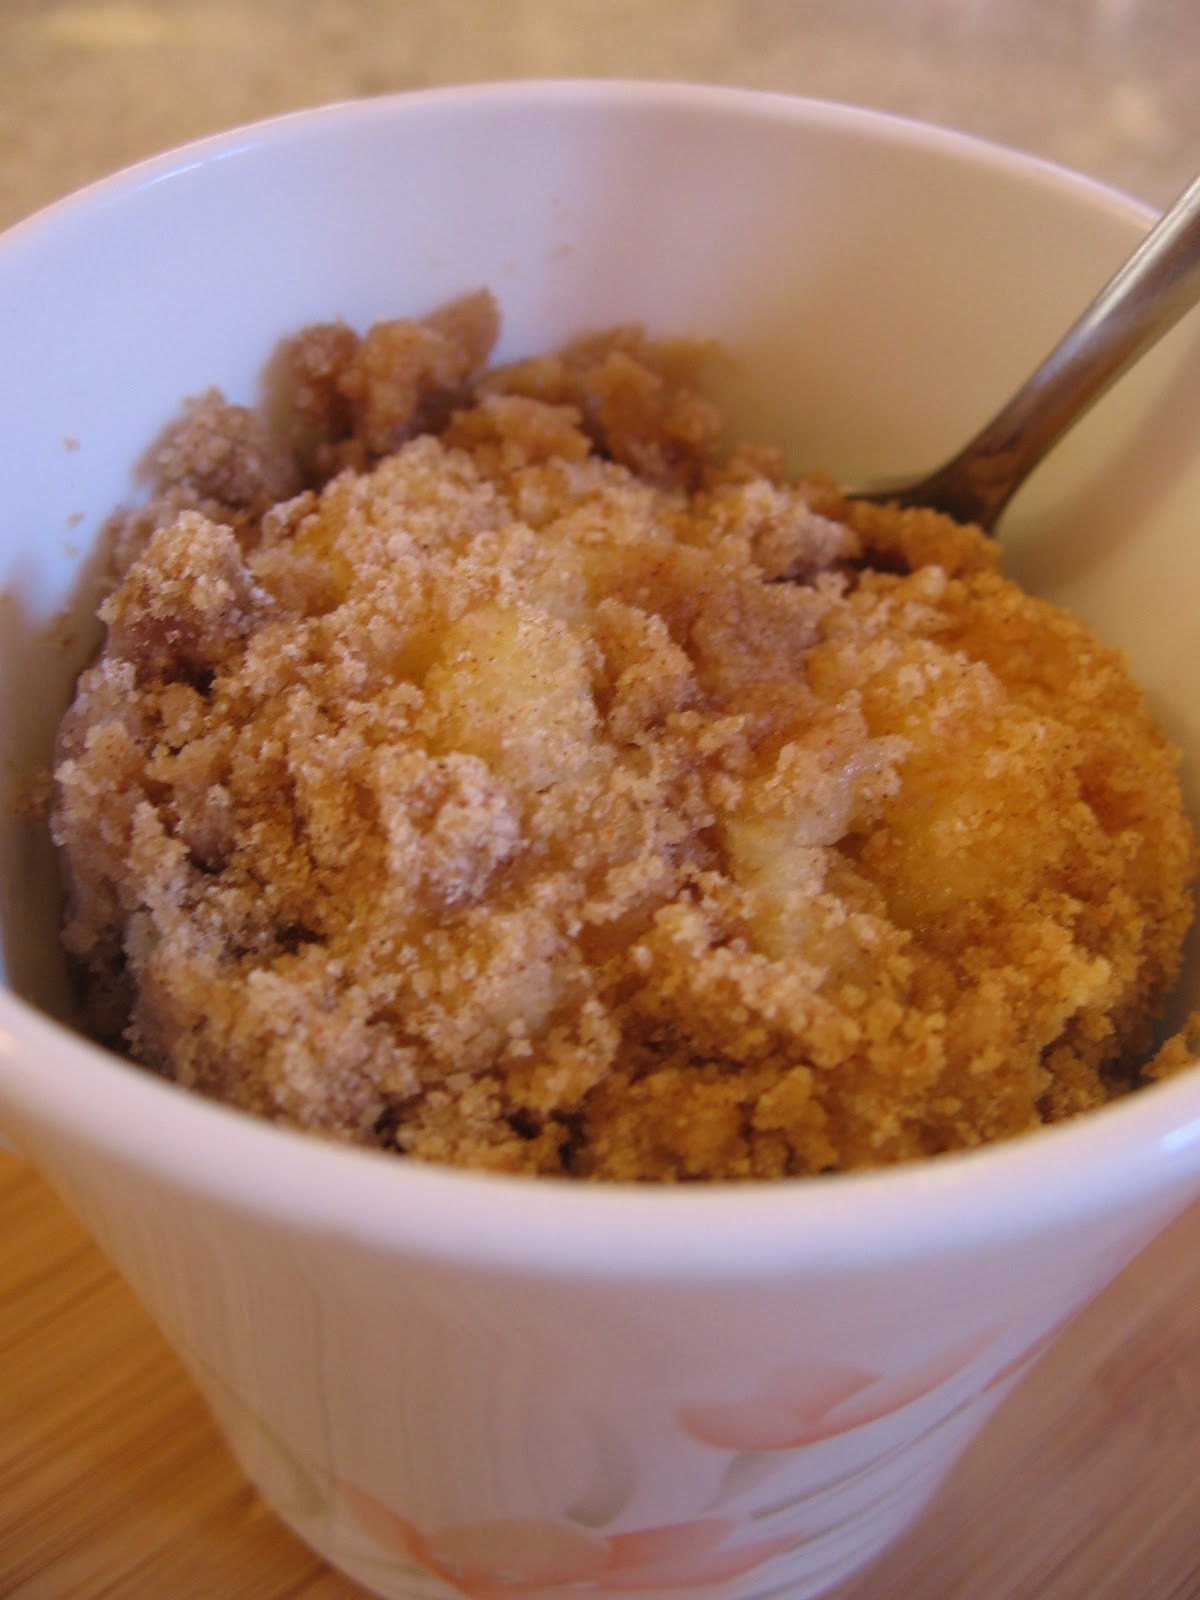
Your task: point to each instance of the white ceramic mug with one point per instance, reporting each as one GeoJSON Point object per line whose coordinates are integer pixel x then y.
{"type": "Point", "coordinates": [450, 1382]}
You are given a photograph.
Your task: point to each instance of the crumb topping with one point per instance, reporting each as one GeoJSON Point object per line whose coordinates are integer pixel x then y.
{"type": "Point", "coordinates": [479, 767]}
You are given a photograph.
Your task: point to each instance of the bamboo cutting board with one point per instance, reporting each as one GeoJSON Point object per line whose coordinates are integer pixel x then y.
{"type": "Point", "coordinates": [114, 1484]}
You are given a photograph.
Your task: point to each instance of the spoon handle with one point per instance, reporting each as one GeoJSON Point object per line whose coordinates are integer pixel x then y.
{"type": "Point", "coordinates": [1146, 297]}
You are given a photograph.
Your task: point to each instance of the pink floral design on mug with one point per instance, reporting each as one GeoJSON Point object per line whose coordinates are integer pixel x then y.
{"type": "Point", "coordinates": [535, 1559]}
{"type": "Point", "coordinates": [811, 1401]}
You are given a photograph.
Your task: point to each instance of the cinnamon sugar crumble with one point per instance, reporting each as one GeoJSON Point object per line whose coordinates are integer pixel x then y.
{"type": "Point", "coordinates": [485, 771]}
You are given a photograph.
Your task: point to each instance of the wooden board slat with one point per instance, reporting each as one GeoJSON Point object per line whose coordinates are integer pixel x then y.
{"type": "Point", "coordinates": [114, 1484]}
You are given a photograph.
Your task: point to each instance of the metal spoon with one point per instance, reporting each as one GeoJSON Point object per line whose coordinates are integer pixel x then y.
{"type": "Point", "coordinates": [1147, 296]}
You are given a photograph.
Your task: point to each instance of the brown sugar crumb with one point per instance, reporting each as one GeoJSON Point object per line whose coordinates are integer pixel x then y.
{"type": "Point", "coordinates": [496, 777]}
{"type": "Point", "coordinates": [353, 400]}
{"type": "Point", "coordinates": [1179, 1052]}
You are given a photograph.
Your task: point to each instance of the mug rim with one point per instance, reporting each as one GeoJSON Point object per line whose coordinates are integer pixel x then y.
{"type": "Point", "coordinates": [1097, 1163]}
{"type": "Point", "coordinates": [1100, 1162]}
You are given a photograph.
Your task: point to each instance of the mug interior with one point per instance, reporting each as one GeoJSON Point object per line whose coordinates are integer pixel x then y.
{"type": "Point", "coordinates": [881, 287]}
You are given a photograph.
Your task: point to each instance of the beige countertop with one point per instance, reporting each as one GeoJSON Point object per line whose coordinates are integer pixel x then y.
{"type": "Point", "coordinates": [1111, 87]}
